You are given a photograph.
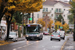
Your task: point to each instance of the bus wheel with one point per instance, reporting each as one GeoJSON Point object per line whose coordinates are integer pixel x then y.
{"type": "Point", "coordinates": [27, 39]}
{"type": "Point", "coordinates": [40, 38]}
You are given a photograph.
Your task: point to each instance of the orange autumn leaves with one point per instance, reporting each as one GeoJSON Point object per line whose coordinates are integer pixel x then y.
{"type": "Point", "coordinates": [25, 6]}
{"type": "Point", "coordinates": [40, 21]}
{"type": "Point", "coordinates": [65, 26]}
{"type": "Point", "coordinates": [49, 25]}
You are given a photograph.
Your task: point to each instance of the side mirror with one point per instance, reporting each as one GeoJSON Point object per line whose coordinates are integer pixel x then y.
{"type": "Point", "coordinates": [40, 27]}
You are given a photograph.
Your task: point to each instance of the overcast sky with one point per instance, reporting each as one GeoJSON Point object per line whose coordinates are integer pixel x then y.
{"type": "Point", "coordinates": [65, 0]}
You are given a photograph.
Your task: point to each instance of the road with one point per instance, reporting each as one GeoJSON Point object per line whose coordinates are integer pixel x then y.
{"type": "Point", "coordinates": [45, 44]}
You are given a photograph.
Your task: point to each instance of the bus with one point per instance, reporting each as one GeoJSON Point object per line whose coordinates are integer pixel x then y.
{"type": "Point", "coordinates": [34, 31]}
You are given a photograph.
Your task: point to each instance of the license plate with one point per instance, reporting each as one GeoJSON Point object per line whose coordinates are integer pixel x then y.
{"type": "Point", "coordinates": [55, 35]}
{"type": "Point", "coordinates": [31, 35]}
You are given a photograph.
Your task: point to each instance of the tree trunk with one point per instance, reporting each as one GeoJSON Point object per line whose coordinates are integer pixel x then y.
{"type": "Point", "coordinates": [8, 30]}
{"type": "Point", "coordinates": [8, 27]}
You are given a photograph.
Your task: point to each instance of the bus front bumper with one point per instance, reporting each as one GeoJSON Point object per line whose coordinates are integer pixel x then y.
{"type": "Point", "coordinates": [33, 37]}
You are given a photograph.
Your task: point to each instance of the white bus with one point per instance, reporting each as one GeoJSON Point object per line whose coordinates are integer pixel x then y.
{"type": "Point", "coordinates": [34, 31]}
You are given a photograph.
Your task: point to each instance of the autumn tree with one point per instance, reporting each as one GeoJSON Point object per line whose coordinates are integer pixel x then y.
{"type": "Point", "coordinates": [8, 7]}
{"type": "Point", "coordinates": [65, 27]}
{"type": "Point", "coordinates": [18, 17]}
{"type": "Point", "coordinates": [40, 21]}
{"type": "Point", "coordinates": [57, 25]}
{"type": "Point", "coordinates": [50, 24]}
{"type": "Point", "coordinates": [71, 19]}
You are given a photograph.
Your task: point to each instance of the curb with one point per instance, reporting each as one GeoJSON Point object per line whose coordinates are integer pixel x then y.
{"type": "Point", "coordinates": [64, 43]}
{"type": "Point", "coordinates": [21, 40]}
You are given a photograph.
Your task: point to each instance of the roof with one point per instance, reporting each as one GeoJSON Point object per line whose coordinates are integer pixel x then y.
{"type": "Point", "coordinates": [53, 2]}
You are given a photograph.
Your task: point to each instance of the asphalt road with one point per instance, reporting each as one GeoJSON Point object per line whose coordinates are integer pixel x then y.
{"type": "Point", "coordinates": [45, 44]}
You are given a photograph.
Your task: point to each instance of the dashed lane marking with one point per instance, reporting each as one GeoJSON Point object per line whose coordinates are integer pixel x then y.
{"type": "Point", "coordinates": [24, 46]}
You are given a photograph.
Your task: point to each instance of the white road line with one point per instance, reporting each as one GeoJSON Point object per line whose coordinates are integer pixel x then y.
{"type": "Point", "coordinates": [14, 49]}
{"type": "Point", "coordinates": [24, 46]}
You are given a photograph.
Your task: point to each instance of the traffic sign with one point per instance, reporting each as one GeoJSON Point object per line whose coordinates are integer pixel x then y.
{"type": "Point", "coordinates": [30, 19]}
{"type": "Point", "coordinates": [61, 27]}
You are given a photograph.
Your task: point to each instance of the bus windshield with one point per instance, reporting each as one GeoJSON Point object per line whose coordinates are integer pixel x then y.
{"type": "Point", "coordinates": [32, 29]}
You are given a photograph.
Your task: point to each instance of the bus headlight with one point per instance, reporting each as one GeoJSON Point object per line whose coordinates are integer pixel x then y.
{"type": "Point", "coordinates": [26, 35]}
{"type": "Point", "coordinates": [38, 35]}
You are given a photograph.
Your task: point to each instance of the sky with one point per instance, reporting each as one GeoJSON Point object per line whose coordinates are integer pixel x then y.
{"type": "Point", "coordinates": [65, 0]}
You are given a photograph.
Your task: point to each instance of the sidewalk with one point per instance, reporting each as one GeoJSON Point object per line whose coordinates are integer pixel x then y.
{"type": "Point", "coordinates": [2, 42]}
{"type": "Point", "coordinates": [20, 39]}
{"type": "Point", "coordinates": [70, 44]}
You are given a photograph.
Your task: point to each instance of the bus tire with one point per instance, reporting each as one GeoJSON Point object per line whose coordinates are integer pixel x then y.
{"type": "Point", "coordinates": [27, 39]}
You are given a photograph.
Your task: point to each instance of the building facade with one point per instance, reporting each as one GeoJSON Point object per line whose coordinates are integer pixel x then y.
{"type": "Point", "coordinates": [54, 9]}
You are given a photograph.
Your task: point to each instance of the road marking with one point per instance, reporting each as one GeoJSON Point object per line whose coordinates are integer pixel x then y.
{"type": "Point", "coordinates": [44, 49]}
{"type": "Point", "coordinates": [64, 44]}
{"type": "Point", "coordinates": [24, 46]}
{"type": "Point", "coordinates": [19, 47]}
{"type": "Point", "coordinates": [14, 49]}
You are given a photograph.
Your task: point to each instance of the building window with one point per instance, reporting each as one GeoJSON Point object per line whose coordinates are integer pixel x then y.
{"type": "Point", "coordinates": [43, 9]}
{"type": "Point", "coordinates": [44, 15]}
{"type": "Point", "coordinates": [56, 10]}
{"type": "Point", "coordinates": [64, 15]}
{"type": "Point", "coordinates": [68, 11]}
{"type": "Point", "coordinates": [64, 9]}
{"type": "Point", "coordinates": [51, 14]}
{"type": "Point", "coordinates": [59, 10]}
{"type": "Point", "coordinates": [56, 16]}
{"type": "Point", "coordinates": [37, 15]}
{"type": "Point", "coordinates": [46, 9]}
{"type": "Point", "coordinates": [52, 8]}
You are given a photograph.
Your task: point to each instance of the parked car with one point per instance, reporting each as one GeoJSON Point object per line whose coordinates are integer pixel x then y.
{"type": "Point", "coordinates": [56, 36]}
{"type": "Point", "coordinates": [13, 36]}
{"type": "Point", "coordinates": [45, 33]}
{"type": "Point", "coordinates": [62, 34]}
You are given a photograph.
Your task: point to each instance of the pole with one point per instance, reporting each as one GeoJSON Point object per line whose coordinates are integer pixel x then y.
{"type": "Point", "coordinates": [22, 24]}
{"type": "Point", "coordinates": [28, 20]}
{"type": "Point", "coordinates": [74, 29]}
{"type": "Point", "coordinates": [32, 17]}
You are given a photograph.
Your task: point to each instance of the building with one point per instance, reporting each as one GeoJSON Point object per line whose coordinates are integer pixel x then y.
{"type": "Point", "coordinates": [3, 28]}
{"type": "Point", "coordinates": [54, 8]}
{"type": "Point", "coordinates": [66, 1]}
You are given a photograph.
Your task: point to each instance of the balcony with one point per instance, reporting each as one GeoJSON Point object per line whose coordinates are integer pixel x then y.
{"type": "Point", "coordinates": [58, 12]}
{"type": "Point", "coordinates": [46, 12]}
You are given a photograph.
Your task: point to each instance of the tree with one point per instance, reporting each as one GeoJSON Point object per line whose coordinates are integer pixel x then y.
{"type": "Point", "coordinates": [73, 12]}
{"type": "Point", "coordinates": [65, 27]}
{"type": "Point", "coordinates": [18, 17]}
{"type": "Point", "coordinates": [71, 19]}
{"type": "Point", "coordinates": [50, 24]}
{"type": "Point", "coordinates": [57, 25]}
{"type": "Point", "coordinates": [59, 18]}
{"type": "Point", "coordinates": [2, 6]}
{"type": "Point", "coordinates": [8, 7]}
{"type": "Point", "coordinates": [40, 21]}
{"type": "Point", "coordinates": [13, 20]}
